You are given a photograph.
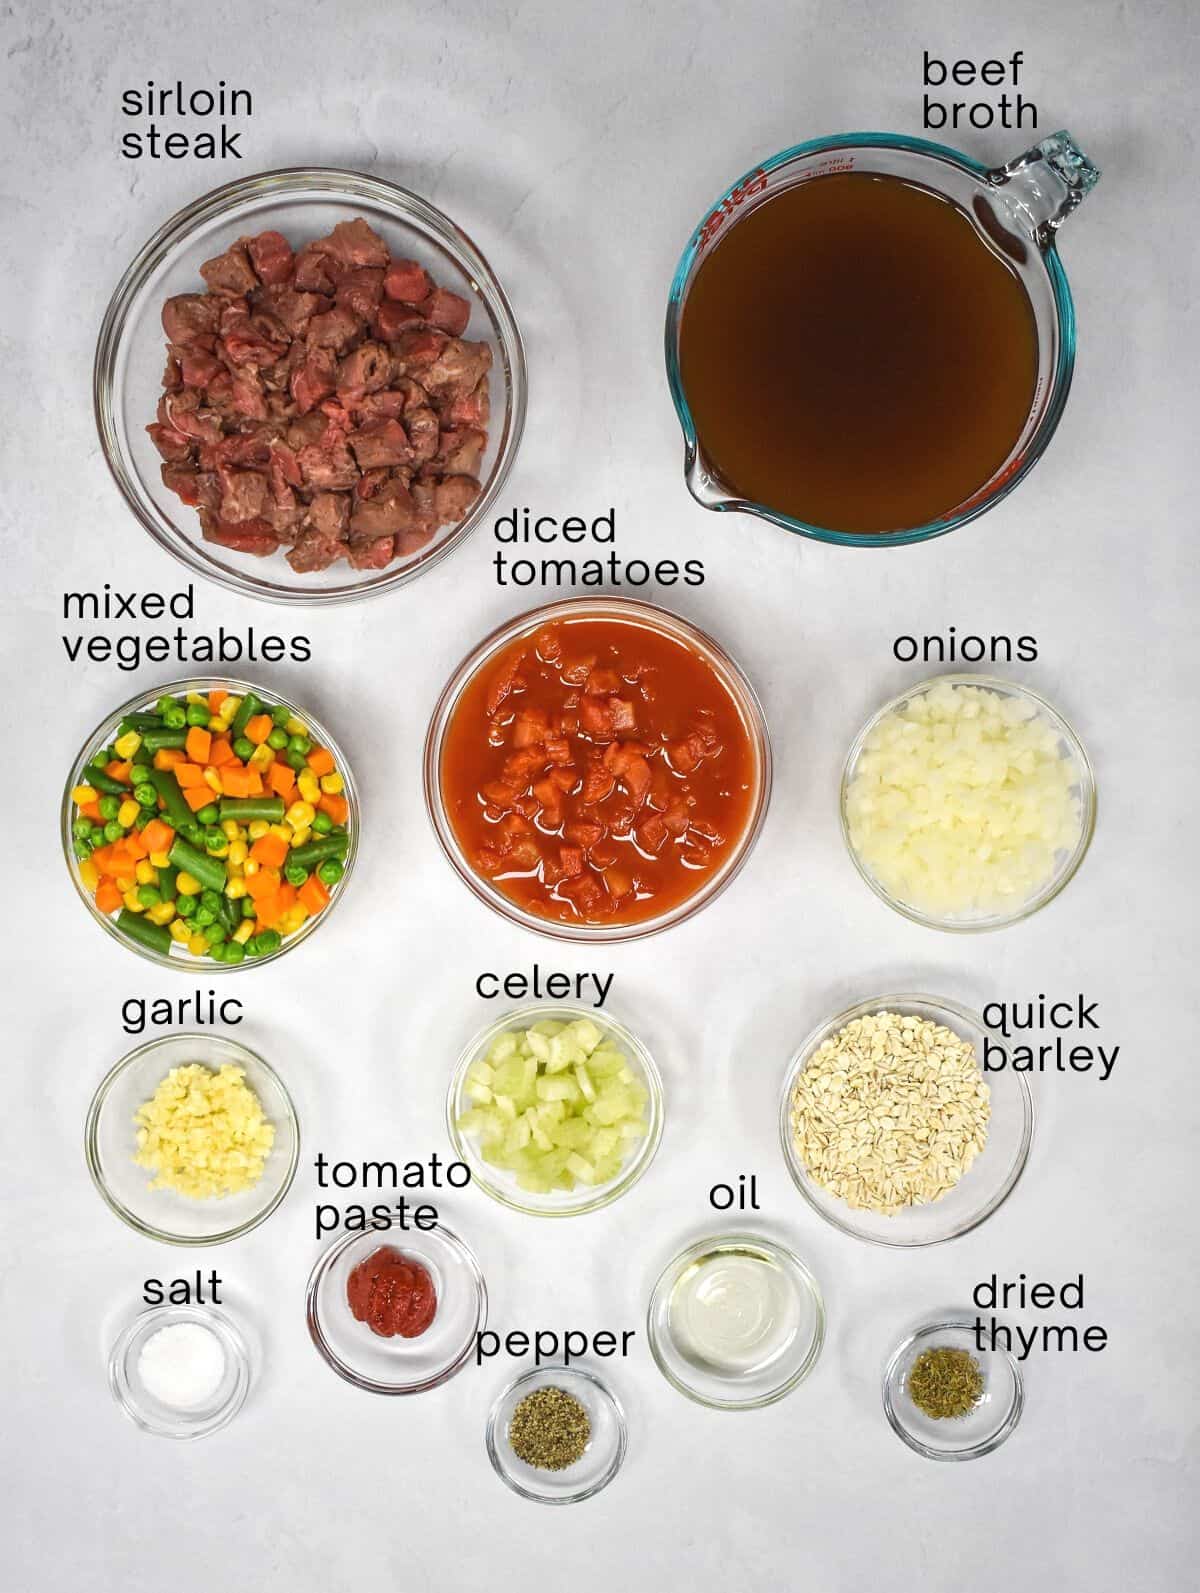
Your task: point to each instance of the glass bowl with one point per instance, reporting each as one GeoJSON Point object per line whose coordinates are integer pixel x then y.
{"type": "Point", "coordinates": [149, 1412]}
{"type": "Point", "coordinates": [179, 956]}
{"type": "Point", "coordinates": [757, 1382]}
{"type": "Point", "coordinates": [633, 612]}
{"type": "Point", "coordinates": [502, 1185]}
{"type": "Point", "coordinates": [110, 1143]}
{"type": "Point", "coordinates": [303, 203]}
{"type": "Point", "coordinates": [398, 1365]}
{"type": "Point", "coordinates": [986, 1184]}
{"type": "Point", "coordinates": [1084, 788]}
{"type": "Point", "coordinates": [595, 1468]}
{"type": "Point", "coordinates": [961, 1437]}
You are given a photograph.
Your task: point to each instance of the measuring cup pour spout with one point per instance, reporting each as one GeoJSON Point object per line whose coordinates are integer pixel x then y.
{"type": "Point", "coordinates": [1045, 184]}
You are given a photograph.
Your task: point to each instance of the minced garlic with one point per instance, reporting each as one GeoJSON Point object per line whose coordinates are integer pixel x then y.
{"type": "Point", "coordinates": [203, 1133]}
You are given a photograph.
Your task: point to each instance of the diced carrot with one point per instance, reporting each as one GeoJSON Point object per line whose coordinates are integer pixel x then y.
{"type": "Point", "coordinates": [262, 886]}
{"type": "Point", "coordinates": [287, 896]}
{"type": "Point", "coordinates": [269, 851]}
{"type": "Point", "coordinates": [119, 770]}
{"type": "Point", "coordinates": [198, 796]}
{"type": "Point", "coordinates": [91, 810]}
{"type": "Point", "coordinates": [102, 857]}
{"type": "Point", "coordinates": [215, 699]}
{"type": "Point", "coordinates": [313, 894]}
{"type": "Point", "coordinates": [135, 844]}
{"type": "Point", "coordinates": [199, 744]}
{"type": "Point", "coordinates": [108, 896]}
{"type": "Point", "coordinates": [320, 761]}
{"type": "Point", "coordinates": [236, 780]}
{"type": "Point", "coordinates": [189, 774]}
{"type": "Point", "coordinates": [169, 758]}
{"type": "Point", "coordinates": [337, 807]}
{"type": "Point", "coordinates": [256, 782]}
{"type": "Point", "coordinates": [282, 779]}
{"type": "Point", "coordinates": [158, 836]}
{"type": "Point", "coordinates": [259, 728]}
{"type": "Point", "coordinates": [222, 752]}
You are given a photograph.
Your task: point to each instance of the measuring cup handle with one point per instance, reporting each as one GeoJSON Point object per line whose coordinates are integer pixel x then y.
{"type": "Point", "coordinates": [1047, 183]}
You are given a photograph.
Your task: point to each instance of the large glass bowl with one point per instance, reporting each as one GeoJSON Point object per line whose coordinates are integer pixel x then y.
{"type": "Point", "coordinates": [986, 1184]}
{"type": "Point", "coordinates": [632, 612]}
{"type": "Point", "coordinates": [179, 956]}
{"type": "Point", "coordinates": [110, 1140]}
{"type": "Point", "coordinates": [502, 1185]}
{"type": "Point", "coordinates": [302, 203]}
{"type": "Point", "coordinates": [1066, 863]}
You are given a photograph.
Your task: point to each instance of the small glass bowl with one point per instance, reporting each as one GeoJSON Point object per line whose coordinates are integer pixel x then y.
{"type": "Point", "coordinates": [502, 1185]}
{"type": "Point", "coordinates": [398, 1365]}
{"type": "Point", "coordinates": [598, 1465]}
{"type": "Point", "coordinates": [962, 1437]}
{"type": "Point", "coordinates": [179, 956]}
{"type": "Point", "coordinates": [110, 1143]}
{"type": "Point", "coordinates": [150, 1413]}
{"type": "Point", "coordinates": [302, 203]}
{"type": "Point", "coordinates": [754, 1386]}
{"type": "Point", "coordinates": [633, 612]}
{"type": "Point", "coordinates": [986, 1184]}
{"type": "Point", "coordinates": [1067, 862]}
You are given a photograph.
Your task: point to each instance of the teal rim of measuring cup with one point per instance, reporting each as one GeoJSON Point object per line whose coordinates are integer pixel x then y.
{"type": "Point", "coordinates": [1064, 364]}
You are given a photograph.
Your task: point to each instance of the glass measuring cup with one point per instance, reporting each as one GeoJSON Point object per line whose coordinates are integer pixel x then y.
{"type": "Point", "coordinates": [1018, 208]}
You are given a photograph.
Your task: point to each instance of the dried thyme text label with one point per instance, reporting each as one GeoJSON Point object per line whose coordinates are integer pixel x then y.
{"type": "Point", "coordinates": [992, 1295]}
{"type": "Point", "coordinates": [1011, 1019]}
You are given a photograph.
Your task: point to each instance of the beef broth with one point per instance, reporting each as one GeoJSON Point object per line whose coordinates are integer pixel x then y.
{"type": "Point", "coordinates": [856, 355]}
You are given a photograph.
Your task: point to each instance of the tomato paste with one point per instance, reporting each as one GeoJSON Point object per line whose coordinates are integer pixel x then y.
{"type": "Point", "coordinates": [599, 771]}
{"type": "Point", "coordinates": [392, 1293]}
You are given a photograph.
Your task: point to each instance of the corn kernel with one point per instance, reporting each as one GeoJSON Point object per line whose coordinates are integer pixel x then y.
{"type": "Point", "coordinates": [292, 919]}
{"type": "Point", "coordinates": [283, 831]}
{"type": "Point", "coordinates": [125, 746]}
{"type": "Point", "coordinates": [179, 929]}
{"type": "Point", "coordinates": [259, 828]}
{"type": "Point", "coordinates": [143, 872]}
{"type": "Point", "coordinates": [301, 835]}
{"type": "Point", "coordinates": [196, 700]}
{"type": "Point", "coordinates": [125, 882]}
{"type": "Point", "coordinates": [160, 859]}
{"type": "Point", "coordinates": [187, 884]}
{"type": "Point", "coordinates": [332, 784]}
{"type": "Point", "coordinates": [131, 901]}
{"type": "Point", "coordinates": [235, 889]}
{"type": "Point", "coordinates": [213, 780]}
{"type": "Point", "coordinates": [127, 812]}
{"type": "Point", "coordinates": [308, 786]}
{"type": "Point", "coordinates": [198, 946]}
{"type": "Point", "coordinates": [219, 852]}
{"type": "Point", "coordinates": [262, 757]}
{"type": "Point", "coordinates": [250, 868]}
{"type": "Point", "coordinates": [301, 814]}
{"type": "Point", "coordinates": [243, 931]}
{"type": "Point", "coordinates": [230, 829]}
{"type": "Point", "coordinates": [296, 727]}
{"type": "Point", "coordinates": [83, 794]}
{"type": "Point", "coordinates": [238, 853]}
{"type": "Point", "coordinates": [89, 874]}
{"type": "Point", "coordinates": [161, 912]}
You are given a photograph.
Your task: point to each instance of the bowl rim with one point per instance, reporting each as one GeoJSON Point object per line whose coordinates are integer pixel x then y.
{"type": "Point", "coordinates": [778, 1252]}
{"type": "Point", "coordinates": [799, 1059]}
{"type": "Point", "coordinates": [565, 1373]}
{"type": "Point", "coordinates": [985, 1446]}
{"type": "Point", "coordinates": [1088, 799]}
{"type": "Point", "coordinates": [92, 1154]}
{"type": "Point", "coordinates": [219, 1322]}
{"type": "Point", "coordinates": [634, 611]}
{"type": "Point", "coordinates": [344, 1370]}
{"type": "Point", "coordinates": [200, 683]}
{"type": "Point", "coordinates": [605, 1194]}
{"type": "Point", "coordinates": [297, 181]}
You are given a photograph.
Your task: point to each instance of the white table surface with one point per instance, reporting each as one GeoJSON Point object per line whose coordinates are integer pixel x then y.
{"type": "Point", "coordinates": [579, 145]}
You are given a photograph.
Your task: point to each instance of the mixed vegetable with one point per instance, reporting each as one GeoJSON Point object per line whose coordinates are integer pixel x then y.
{"type": "Point", "coordinates": [213, 822]}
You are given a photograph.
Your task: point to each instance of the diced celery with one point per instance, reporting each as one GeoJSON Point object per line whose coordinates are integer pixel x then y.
{"type": "Point", "coordinates": [481, 1072]}
{"type": "Point", "coordinates": [548, 1027]}
{"type": "Point", "coordinates": [581, 1168]}
{"type": "Point", "coordinates": [558, 1089]}
{"type": "Point", "coordinates": [586, 1035]}
{"type": "Point", "coordinates": [504, 1045]}
{"type": "Point", "coordinates": [603, 1063]}
{"type": "Point", "coordinates": [583, 1079]}
{"type": "Point", "coordinates": [539, 1046]}
{"type": "Point", "coordinates": [507, 1106]}
{"type": "Point", "coordinates": [479, 1093]}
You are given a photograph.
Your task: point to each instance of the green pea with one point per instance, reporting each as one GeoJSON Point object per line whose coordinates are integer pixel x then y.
{"type": "Point", "coordinates": [211, 900]}
{"type": "Point", "coordinates": [295, 760]}
{"type": "Point", "coordinates": [322, 823]}
{"type": "Point", "coordinates": [81, 829]}
{"type": "Point", "coordinates": [145, 795]}
{"type": "Point", "coordinates": [216, 934]}
{"type": "Point", "coordinates": [270, 940]}
{"type": "Point", "coordinates": [113, 831]}
{"type": "Point", "coordinates": [197, 714]}
{"type": "Point", "coordinates": [248, 908]}
{"type": "Point", "coordinates": [330, 871]}
{"type": "Point", "coordinates": [233, 951]}
{"type": "Point", "coordinates": [109, 806]}
{"type": "Point", "coordinates": [82, 850]}
{"type": "Point", "coordinates": [280, 715]}
{"type": "Point", "coordinates": [163, 706]}
{"type": "Point", "coordinates": [174, 717]}
{"type": "Point", "coordinates": [208, 814]}
{"type": "Point", "coordinates": [300, 744]}
{"type": "Point", "coordinates": [295, 874]}
{"type": "Point", "coordinates": [214, 839]}
{"type": "Point", "coordinates": [204, 916]}
{"type": "Point", "coordinates": [244, 748]}
{"type": "Point", "coordinates": [186, 906]}
{"type": "Point", "coordinates": [149, 895]}
{"type": "Point", "coordinates": [278, 739]}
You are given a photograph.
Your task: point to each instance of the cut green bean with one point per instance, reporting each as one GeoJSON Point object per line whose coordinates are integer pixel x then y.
{"type": "Point", "coordinates": [250, 705]}
{"type": "Point", "coordinates": [246, 810]}
{"type": "Point", "coordinates": [174, 803]}
{"type": "Point", "coordinates": [95, 776]}
{"type": "Point", "coordinates": [139, 928]}
{"type": "Point", "coordinates": [317, 851]}
{"type": "Point", "coordinates": [210, 871]}
{"type": "Point", "coordinates": [158, 740]}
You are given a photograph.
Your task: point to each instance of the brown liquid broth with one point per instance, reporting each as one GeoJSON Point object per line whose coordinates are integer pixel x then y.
{"type": "Point", "coordinates": [855, 355]}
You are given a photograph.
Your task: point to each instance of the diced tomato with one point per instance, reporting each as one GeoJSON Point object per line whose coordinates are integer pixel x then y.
{"type": "Point", "coordinates": [604, 854]}
{"type": "Point", "coordinates": [523, 855]}
{"type": "Point", "coordinates": [530, 727]}
{"type": "Point", "coordinates": [598, 782]}
{"type": "Point", "coordinates": [586, 892]}
{"type": "Point", "coordinates": [565, 779]}
{"type": "Point", "coordinates": [487, 861]}
{"type": "Point", "coordinates": [558, 749]}
{"type": "Point", "coordinates": [499, 793]}
{"type": "Point", "coordinates": [502, 683]}
{"type": "Point", "coordinates": [551, 797]}
{"type": "Point", "coordinates": [677, 817]}
{"type": "Point", "coordinates": [548, 645]}
{"type": "Point", "coordinates": [683, 755]}
{"type": "Point", "coordinates": [519, 766]}
{"type": "Point", "coordinates": [603, 683]}
{"type": "Point", "coordinates": [624, 715]}
{"type": "Point", "coordinates": [513, 825]}
{"type": "Point", "coordinates": [571, 858]}
{"type": "Point", "coordinates": [528, 806]}
{"type": "Point", "coordinates": [618, 882]}
{"type": "Point", "coordinates": [583, 832]}
{"type": "Point", "coordinates": [631, 768]}
{"type": "Point", "coordinates": [651, 832]}
{"type": "Point", "coordinates": [595, 719]}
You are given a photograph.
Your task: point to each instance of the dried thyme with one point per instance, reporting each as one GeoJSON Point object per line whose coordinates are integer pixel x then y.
{"type": "Point", "coordinates": [549, 1429]}
{"type": "Point", "coordinates": [945, 1382]}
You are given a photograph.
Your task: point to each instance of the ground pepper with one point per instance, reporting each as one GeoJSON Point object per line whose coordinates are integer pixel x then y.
{"type": "Point", "coordinates": [549, 1429]}
{"type": "Point", "coordinates": [945, 1382]}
